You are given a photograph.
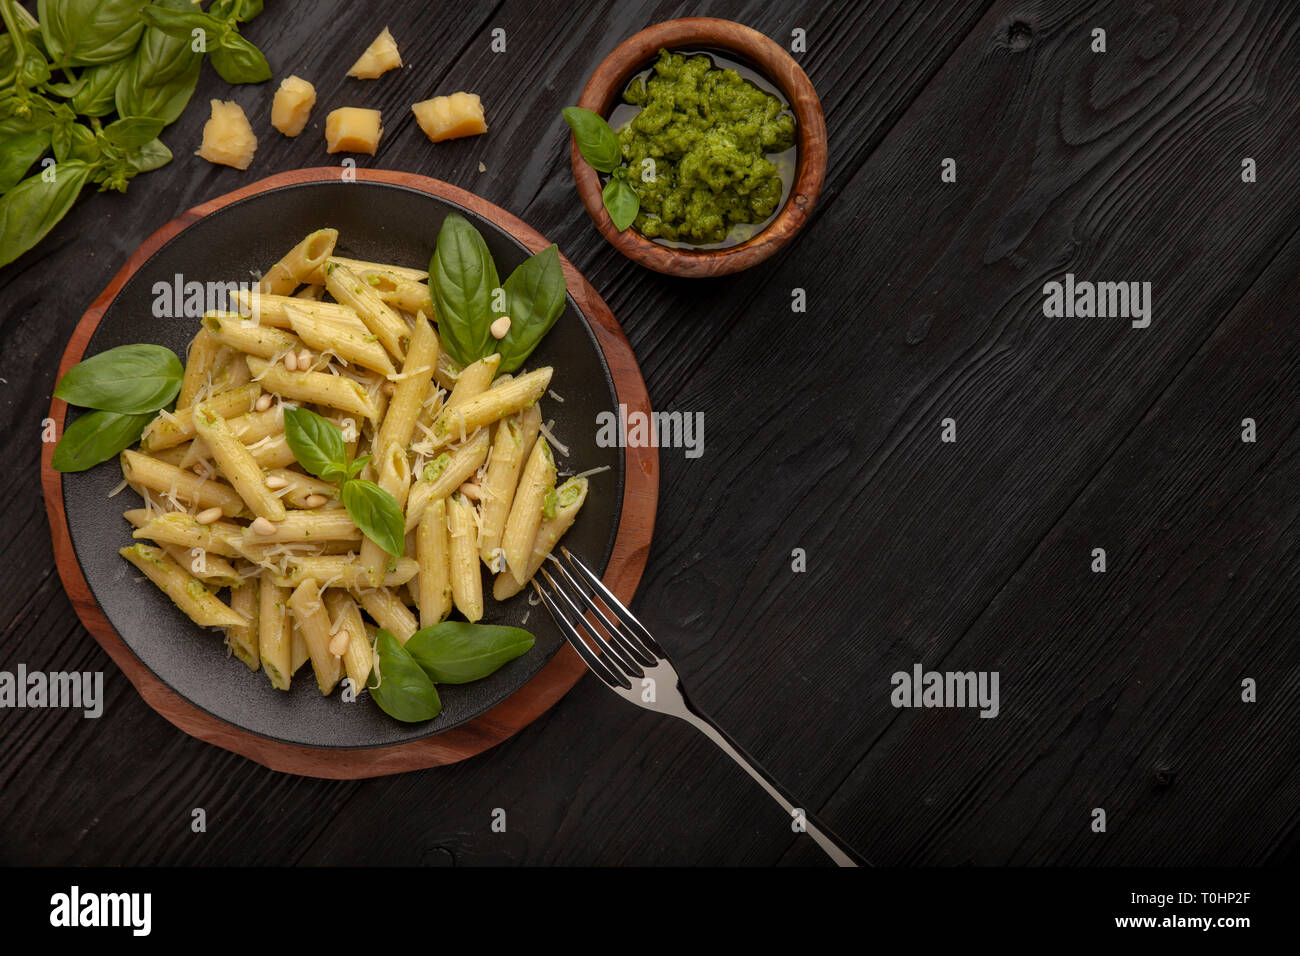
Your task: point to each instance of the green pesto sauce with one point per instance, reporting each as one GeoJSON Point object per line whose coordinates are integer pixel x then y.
{"type": "Point", "coordinates": [708, 131]}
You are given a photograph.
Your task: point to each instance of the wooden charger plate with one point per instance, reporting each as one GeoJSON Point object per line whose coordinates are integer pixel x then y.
{"type": "Point", "coordinates": [631, 523]}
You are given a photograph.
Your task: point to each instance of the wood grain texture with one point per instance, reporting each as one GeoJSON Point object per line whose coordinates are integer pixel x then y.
{"type": "Point", "coordinates": [627, 560]}
{"type": "Point", "coordinates": [1120, 690]}
{"type": "Point", "coordinates": [604, 91]}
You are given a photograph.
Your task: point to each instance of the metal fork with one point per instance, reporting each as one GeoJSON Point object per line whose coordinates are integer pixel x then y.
{"type": "Point", "coordinates": [634, 666]}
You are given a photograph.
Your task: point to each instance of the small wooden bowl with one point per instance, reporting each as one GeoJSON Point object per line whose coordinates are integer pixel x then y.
{"type": "Point", "coordinates": [605, 88]}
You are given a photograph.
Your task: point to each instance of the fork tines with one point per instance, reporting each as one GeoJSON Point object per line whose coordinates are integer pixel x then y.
{"type": "Point", "coordinates": [579, 602]}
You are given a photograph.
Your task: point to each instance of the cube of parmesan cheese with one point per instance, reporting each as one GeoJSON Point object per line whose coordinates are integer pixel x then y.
{"type": "Point", "coordinates": [349, 129]}
{"type": "Point", "coordinates": [380, 57]}
{"type": "Point", "coordinates": [450, 117]}
{"type": "Point", "coordinates": [292, 105]}
{"type": "Point", "coordinates": [227, 137]}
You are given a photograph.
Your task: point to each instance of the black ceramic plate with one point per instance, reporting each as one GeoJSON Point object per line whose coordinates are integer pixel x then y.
{"type": "Point", "coordinates": [383, 223]}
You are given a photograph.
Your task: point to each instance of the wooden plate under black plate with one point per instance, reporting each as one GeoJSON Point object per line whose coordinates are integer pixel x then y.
{"type": "Point", "coordinates": [182, 670]}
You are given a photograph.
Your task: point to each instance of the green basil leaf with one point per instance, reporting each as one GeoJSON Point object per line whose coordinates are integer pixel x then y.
{"type": "Point", "coordinates": [131, 379]}
{"type": "Point", "coordinates": [356, 465]}
{"type": "Point", "coordinates": [99, 84]}
{"type": "Point", "coordinates": [454, 652]}
{"type": "Point", "coordinates": [398, 685]}
{"type": "Point", "coordinates": [87, 32]}
{"type": "Point", "coordinates": [177, 21]}
{"type": "Point", "coordinates": [316, 442]}
{"type": "Point", "coordinates": [148, 156]}
{"type": "Point", "coordinates": [95, 437]}
{"type": "Point", "coordinates": [161, 58]}
{"type": "Point", "coordinates": [596, 141]}
{"type": "Point", "coordinates": [238, 61]}
{"type": "Point", "coordinates": [30, 209]}
{"type": "Point", "coordinates": [621, 202]}
{"type": "Point", "coordinates": [74, 141]}
{"type": "Point", "coordinates": [534, 301]}
{"type": "Point", "coordinates": [21, 149]}
{"type": "Point", "coordinates": [68, 90]}
{"type": "Point", "coordinates": [462, 277]}
{"type": "Point", "coordinates": [132, 131]}
{"type": "Point", "coordinates": [165, 102]}
{"type": "Point", "coordinates": [377, 514]}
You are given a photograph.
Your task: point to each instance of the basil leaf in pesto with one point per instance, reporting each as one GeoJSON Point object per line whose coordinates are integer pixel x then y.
{"type": "Point", "coordinates": [95, 437]}
{"type": "Point", "coordinates": [621, 202]}
{"type": "Point", "coordinates": [316, 442]}
{"type": "Point", "coordinates": [454, 652]}
{"type": "Point", "coordinates": [377, 514]}
{"type": "Point", "coordinates": [596, 141]}
{"type": "Point", "coordinates": [398, 685]}
{"type": "Point", "coordinates": [130, 379]}
{"type": "Point", "coordinates": [462, 278]}
{"type": "Point", "coordinates": [534, 300]}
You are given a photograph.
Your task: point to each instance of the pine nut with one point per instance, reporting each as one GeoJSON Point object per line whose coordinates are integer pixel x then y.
{"type": "Point", "coordinates": [471, 491]}
{"type": "Point", "coordinates": [314, 501]}
{"type": "Point", "coordinates": [262, 526]}
{"type": "Point", "coordinates": [276, 482]}
{"type": "Point", "coordinates": [339, 643]}
{"type": "Point", "coordinates": [208, 515]}
{"type": "Point", "coordinates": [291, 362]}
{"type": "Point", "coordinates": [263, 402]}
{"type": "Point", "coordinates": [500, 327]}
{"type": "Point", "coordinates": [304, 360]}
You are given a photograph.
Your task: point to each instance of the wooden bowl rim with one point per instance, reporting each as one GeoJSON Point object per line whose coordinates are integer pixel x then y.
{"type": "Point", "coordinates": [623, 573]}
{"type": "Point", "coordinates": [780, 69]}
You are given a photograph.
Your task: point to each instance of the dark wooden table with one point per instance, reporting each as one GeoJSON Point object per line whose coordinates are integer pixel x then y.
{"type": "Point", "coordinates": [1119, 690]}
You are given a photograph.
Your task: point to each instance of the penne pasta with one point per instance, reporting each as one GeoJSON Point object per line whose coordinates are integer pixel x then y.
{"type": "Point", "coordinates": [200, 362]}
{"type": "Point", "coordinates": [379, 317]}
{"type": "Point", "coordinates": [336, 391]}
{"type": "Point", "coordinates": [411, 388]}
{"type": "Point", "coordinates": [510, 449]}
{"type": "Point", "coordinates": [394, 478]}
{"type": "Point", "coordinates": [244, 335]}
{"type": "Point", "coordinates": [237, 463]}
{"type": "Point", "coordinates": [491, 405]}
{"type": "Point", "coordinates": [569, 500]}
{"type": "Point", "coordinates": [434, 560]}
{"type": "Point", "coordinates": [466, 578]}
{"type": "Point", "coordinates": [275, 634]}
{"type": "Point", "coordinates": [339, 570]}
{"type": "Point", "coordinates": [243, 639]}
{"type": "Point", "coordinates": [180, 529]}
{"type": "Point", "coordinates": [389, 612]}
{"type": "Point", "coordinates": [186, 591]}
{"type": "Point", "coordinates": [172, 428]}
{"type": "Point", "coordinates": [359, 657]}
{"type": "Point", "coordinates": [273, 310]}
{"type": "Point", "coordinates": [302, 264]}
{"type": "Point", "coordinates": [184, 486]}
{"type": "Point", "coordinates": [314, 625]}
{"type": "Point", "coordinates": [363, 267]}
{"type": "Point", "coordinates": [445, 474]}
{"type": "Point", "coordinates": [356, 346]}
{"type": "Point", "coordinates": [535, 484]}
{"type": "Point", "coordinates": [334, 524]}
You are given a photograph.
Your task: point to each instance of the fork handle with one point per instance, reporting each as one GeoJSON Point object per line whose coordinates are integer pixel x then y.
{"type": "Point", "coordinates": [835, 848]}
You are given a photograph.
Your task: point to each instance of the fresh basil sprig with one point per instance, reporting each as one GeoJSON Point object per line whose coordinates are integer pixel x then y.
{"type": "Point", "coordinates": [462, 278]}
{"type": "Point", "coordinates": [600, 147]}
{"type": "Point", "coordinates": [398, 684]}
{"type": "Point", "coordinates": [318, 445]}
{"type": "Point", "coordinates": [455, 652]}
{"type": "Point", "coordinates": [132, 379]}
{"type": "Point", "coordinates": [91, 58]}
{"type": "Point", "coordinates": [126, 385]}
{"type": "Point", "coordinates": [534, 295]}
{"type": "Point", "coordinates": [96, 437]}
{"type": "Point", "coordinates": [464, 281]}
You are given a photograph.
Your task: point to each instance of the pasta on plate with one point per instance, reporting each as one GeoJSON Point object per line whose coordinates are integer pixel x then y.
{"type": "Point", "coordinates": [228, 507]}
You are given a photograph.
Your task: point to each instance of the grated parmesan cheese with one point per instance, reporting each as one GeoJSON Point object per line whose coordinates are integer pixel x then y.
{"type": "Point", "coordinates": [550, 437]}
